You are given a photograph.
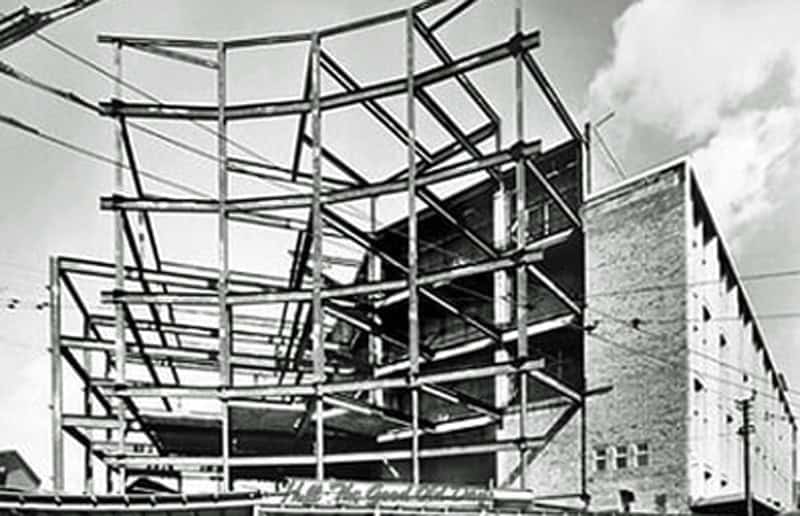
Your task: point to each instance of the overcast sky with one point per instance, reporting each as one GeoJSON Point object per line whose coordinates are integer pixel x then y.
{"type": "Point", "coordinates": [716, 78]}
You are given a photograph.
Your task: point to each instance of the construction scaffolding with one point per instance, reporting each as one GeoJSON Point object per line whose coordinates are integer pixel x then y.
{"type": "Point", "coordinates": [369, 393]}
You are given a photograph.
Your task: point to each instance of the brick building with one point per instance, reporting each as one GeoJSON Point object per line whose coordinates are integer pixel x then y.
{"type": "Point", "coordinates": [678, 338]}
{"type": "Point", "coordinates": [670, 343]}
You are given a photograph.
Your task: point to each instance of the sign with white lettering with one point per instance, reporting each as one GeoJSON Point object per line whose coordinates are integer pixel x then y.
{"type": "Point", "coordinates": [345, 493]}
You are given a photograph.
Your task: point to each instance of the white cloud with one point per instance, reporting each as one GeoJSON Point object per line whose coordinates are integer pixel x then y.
{"type": "Point", "coordinates": [718, 74]}
{"type": "Point", "coordinates": [738, 163]}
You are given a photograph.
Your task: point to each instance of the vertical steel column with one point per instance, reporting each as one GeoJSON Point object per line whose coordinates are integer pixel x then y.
{"type": "Point", "coordinates": [587, 185]}
{"type": "Point", "coordinates": [374, 274]}
{"type": "Point", "coordinates": [318, 336]}
{"type": "Point", "coordinates": [587, 160]}
{"type": "Point", "coordinates": [56, 380]}
{"type": "Point", "coordinates": [522, 232]}
{"type": "Point", "coordinates": [226, 378]}
{"type": "Point", "coordinates": [413, 254]}
{"type": "Point", "coordinates": [88, 472]}
{"type": "Point", "coordinates": [119, 281]}
{"type": "Point", "coordinates": [501, 215]}
{"type": "Point", "coordinates": [584, 457]}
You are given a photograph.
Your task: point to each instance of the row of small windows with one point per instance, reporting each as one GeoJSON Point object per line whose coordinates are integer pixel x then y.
{"type": "Point", "coordinates": [621, 457]}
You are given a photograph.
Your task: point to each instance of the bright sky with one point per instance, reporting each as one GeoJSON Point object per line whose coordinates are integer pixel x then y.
{"type": "Point", "coordinates": [723, 82]}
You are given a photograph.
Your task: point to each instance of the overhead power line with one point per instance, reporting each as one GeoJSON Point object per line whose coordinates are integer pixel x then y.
{"type": "Point", "coordinates": [23, 22]}
{"type": "Point", "coordinates": [29, 129]}
{"type": "Point", "coordinates": [71, 97]}
{"type": "Point", "coordinates": [144, 93]}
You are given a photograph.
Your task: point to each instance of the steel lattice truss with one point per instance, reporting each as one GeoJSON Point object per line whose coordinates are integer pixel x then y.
{"type": "Point", "coordinates": [301, 386]}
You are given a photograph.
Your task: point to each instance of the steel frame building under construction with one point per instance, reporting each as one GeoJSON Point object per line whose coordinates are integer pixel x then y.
{"type": "Point", "coordinates": [367, 379]}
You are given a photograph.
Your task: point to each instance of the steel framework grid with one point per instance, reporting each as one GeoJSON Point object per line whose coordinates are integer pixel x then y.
{"type": "Point", "coordinates": [226, 289]}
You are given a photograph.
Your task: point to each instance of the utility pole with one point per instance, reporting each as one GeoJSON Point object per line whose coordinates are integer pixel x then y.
{"type": "Point", "coordinates": [745, 430]}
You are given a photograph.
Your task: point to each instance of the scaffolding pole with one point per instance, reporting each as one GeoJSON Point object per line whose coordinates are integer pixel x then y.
{"type": "Point", "coordinates": [120, 351]}
{"type": "Point", "coordinates": [317, 314]}
{"type": "Point", "coordinates": [56, 380]}
{"type": "Point", "coordinates": [413, 254]}
{"type": "Point", "coordinates": [88, 471]}
{"type": "Point", "coordinates": [586, 185]}
{"type": "Point", "coordinates": [522, 234]}
{"type": "Point", "coordinates": [225, 319]}
{"type": "Point", "coordinates": [374, 274]}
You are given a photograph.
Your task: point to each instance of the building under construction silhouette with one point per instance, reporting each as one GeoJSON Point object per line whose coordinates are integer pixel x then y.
{"type": "Point", "coordinates": [477, 354]}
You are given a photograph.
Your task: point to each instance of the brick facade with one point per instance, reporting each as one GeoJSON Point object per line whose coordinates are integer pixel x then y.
{"type": "Point", "coordinates": [649, 434]}
{"type": "Point", "coordinates": [635, 243]}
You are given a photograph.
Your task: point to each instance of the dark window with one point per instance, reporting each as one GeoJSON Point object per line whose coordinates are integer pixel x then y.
{"type": "Point", "coordinates": [722, 341]}
{"type": "Point", "coordinates": [600, 459]}
{"type": "Point", "coordinates": [621, 457]}
{"type": "Point", "coordinates": [698, 385]}
{"type": "Point", "coordinates": [642, 454]}
{"type": "Point", "coordinates": [706, 315]}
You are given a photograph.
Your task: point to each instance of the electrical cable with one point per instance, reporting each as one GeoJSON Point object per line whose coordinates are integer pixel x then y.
{"type": "Point", "coordinates": [90, 153]}
{"type": "Point", "coordinates": [16, 124]}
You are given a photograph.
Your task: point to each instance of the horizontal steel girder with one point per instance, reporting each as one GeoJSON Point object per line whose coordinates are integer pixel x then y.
{"type": "Point", "coordinates": [374, 91]}
{"type": "Point", "coordinates": [363, 289]}
{"type": "Point", "coordinates": [276, 391]}
{"type": "Point", "coordinates": [302, 201]}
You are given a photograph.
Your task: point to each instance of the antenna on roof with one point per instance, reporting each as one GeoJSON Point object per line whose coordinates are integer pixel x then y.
{"type": "Point", "coordinates": [604, 146]}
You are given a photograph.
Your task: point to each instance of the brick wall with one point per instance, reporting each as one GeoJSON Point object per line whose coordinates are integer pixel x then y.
{"type": "Point", "coordinates": [636, 244]}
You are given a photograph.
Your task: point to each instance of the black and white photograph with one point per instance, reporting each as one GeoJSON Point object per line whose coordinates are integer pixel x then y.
{"type": "Point", "coordinates": [399, 257]}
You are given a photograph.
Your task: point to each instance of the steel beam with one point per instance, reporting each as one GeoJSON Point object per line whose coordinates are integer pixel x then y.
{"type": "Point", "coordinates": [556, 385]}
{"type": "Point", "coordinates": [551, 95]}
{"type": "Point", "coordinates": [554, 194]}
{"type": "Point", "coordinates": [274, 39]}
{"type": "Point", "coordinates": [131, 324]}
{"type": "Point", "coordinates": [357, 290]}
{"type": "Point", "coordinates": [447, 152]}
{"type": "Point", "coordinates": [299, 260]}
{"type": "Point", "coordinates": [444, 56]}
{"type": "Point", "coordinates": [450, 126]}
{"type": "Point", "coordinates": [201, 280]}
{"type": "Point", "coordinates": [56, 377]}
{"type": "Point", "coordinates": [225, 314]}
{"type": "Point", "coordinates": [473, 345]}
{"type": "Point", "coordinates": [554, 289]}
{"type": "Point", "coordinates": [119, 282]}
{"type": "Point", "coordinates": [369, 243]}
{"type": "Point", "coordinates": [520, 184]}
{"type": "Point", "coordinates": [176, 55]}
{"type": "Point", "coordinates": [440, 428]}
{"type": "Point", "coordinates": [146, 288]}
{"type": "Point", "coordinates": [307, 390]}
{"type": "Point", "coordinates": [337, 162]}
{"type": "Point", "coordinates": [484, 448]}
{"type": "Point", "coordinates": [297, 177]}
{"type": "Point", "coordinates": [195, 331]}
{"type": "Point", "coordinates": [374, 91]}
{"type": "Point", "coordinates": [317, 331]}
{"type": "Point", "coordinates": [452, 13]}
{"type": "Point", "coordinates": [69, 357]}
{"type": "Point", "coordinates": [459, 398]}
{"type": "Point", "coordinates": [381, 114]}
{"type": "Point", "coordinates": [413, 251]}
{"type": "Point", "coordinates": [425, 193]}
{"type": "Point", "coordinates": [343, 195]}
{"type": "Point", "coordinates": [127, 145]}
{"type": "Point", "coordinates": [93, 422]}
{"type": "Point", "coordinates": [181, 356]}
